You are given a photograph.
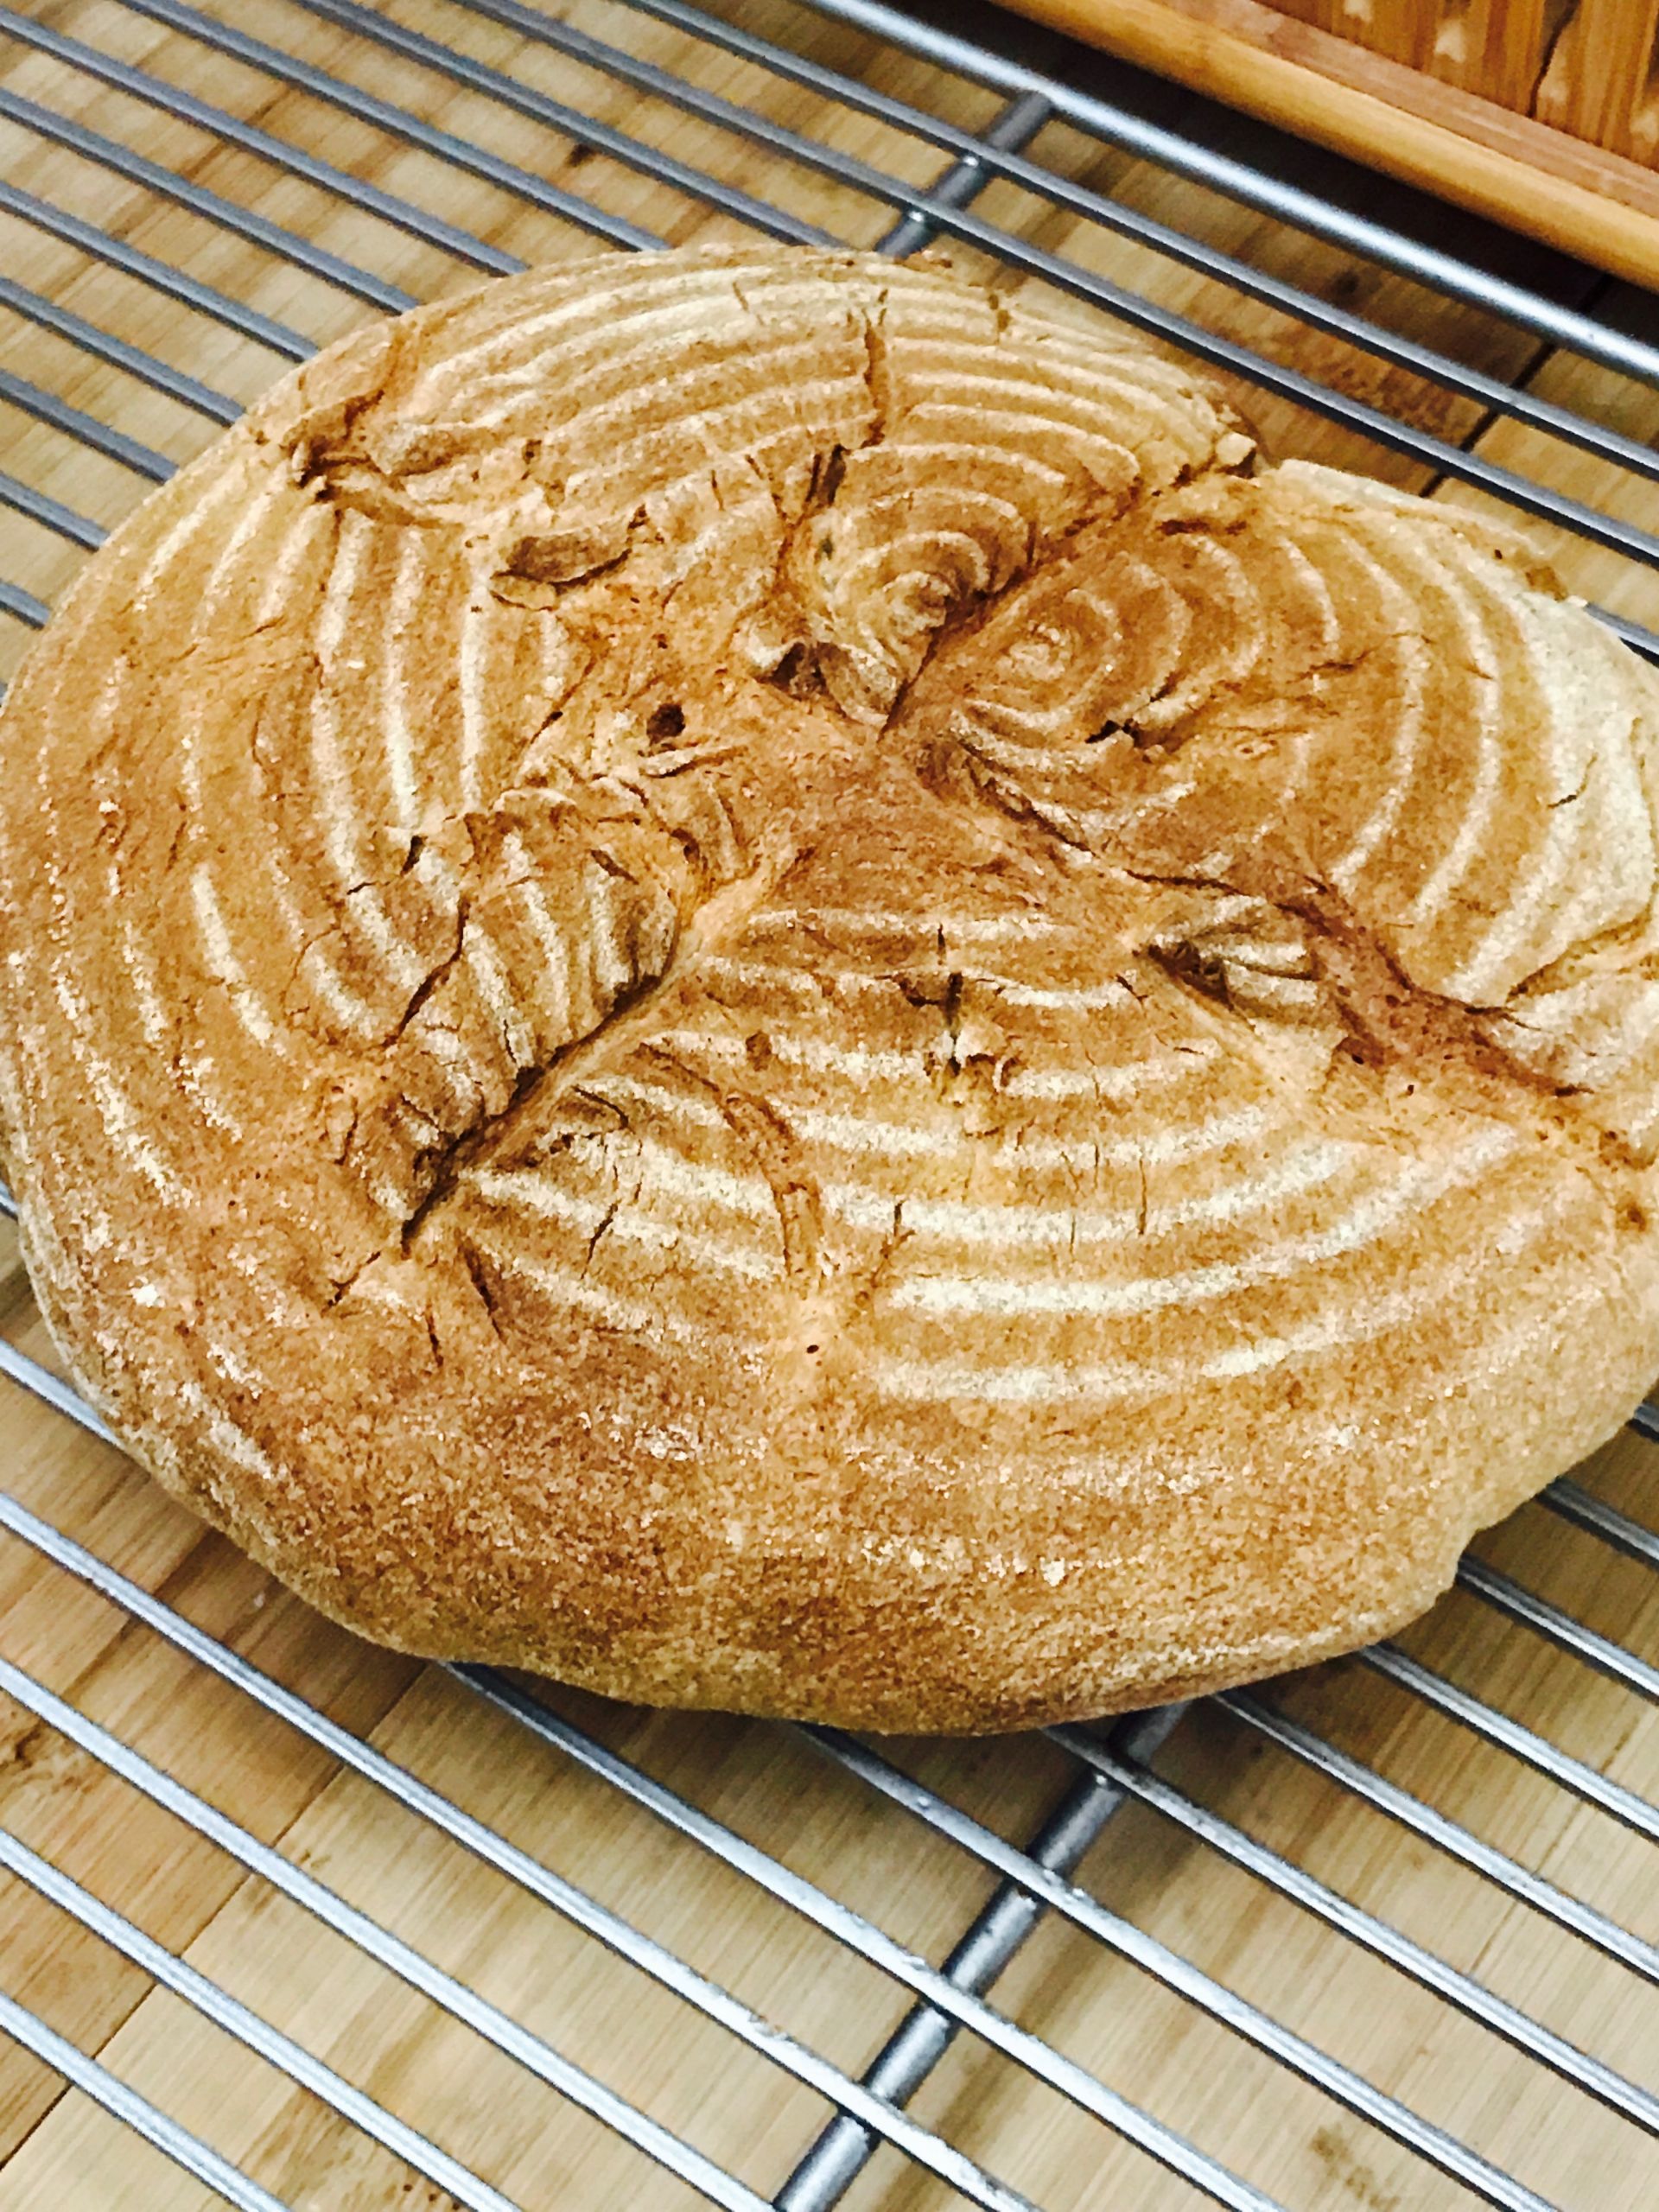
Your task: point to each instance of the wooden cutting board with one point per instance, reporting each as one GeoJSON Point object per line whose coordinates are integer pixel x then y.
{"type": "Point", "coordinates": [58, 2154]}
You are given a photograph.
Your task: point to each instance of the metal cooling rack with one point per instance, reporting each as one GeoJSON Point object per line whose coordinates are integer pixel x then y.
{"type": "Point", "coordinates": [1109, 1769]}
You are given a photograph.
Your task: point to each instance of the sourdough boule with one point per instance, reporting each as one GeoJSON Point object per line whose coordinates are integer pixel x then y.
{"type": "Point", "coordinates": [732, 974]}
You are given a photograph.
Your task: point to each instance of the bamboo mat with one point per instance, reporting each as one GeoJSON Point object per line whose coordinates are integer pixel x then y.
{"type": "Point", "coordinates": [58, 2154]}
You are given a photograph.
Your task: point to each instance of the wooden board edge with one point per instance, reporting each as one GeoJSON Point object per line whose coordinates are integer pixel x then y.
{"type": "Point", "coordinates": [1596, 205]}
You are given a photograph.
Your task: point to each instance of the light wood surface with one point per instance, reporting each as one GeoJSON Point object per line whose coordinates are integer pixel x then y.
{"type": "Point", "coordinates": [58, 2154]}
{"type": "Point", "coordinates": [1452, 133]}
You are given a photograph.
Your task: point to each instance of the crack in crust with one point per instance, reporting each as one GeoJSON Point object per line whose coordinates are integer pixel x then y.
{"type": "Point", "coordinates": [839, 610]}
{"type": "Point", "coordinates": [1330, 966]}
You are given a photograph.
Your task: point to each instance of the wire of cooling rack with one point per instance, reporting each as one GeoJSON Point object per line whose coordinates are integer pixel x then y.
{"type": "Point", "coordinates": [994, 152]}
{"type": "Point", "coordinates": [1035, 1879]}
{"type": "Point", "coordinates": [208, 1998]}
{"type": "Point", "coordinates": [125, 2104]}
{"type": "Point", "coordinates": [941, 213]}
{"type": "Point", "coordinates": [1271, 195]}
{"type": "Point", "coordinates": [243, 222]}
{"type": "Point", "coordinates": [951, 219]}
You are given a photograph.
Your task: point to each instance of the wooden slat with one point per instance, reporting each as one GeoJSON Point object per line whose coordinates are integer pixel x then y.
{"type": "Point", "coordinates": [1599, 71]}
{"type": "Point", "coordinates": [1562, 190]}
{"type": "Point", "coordinates": [1494, 47]}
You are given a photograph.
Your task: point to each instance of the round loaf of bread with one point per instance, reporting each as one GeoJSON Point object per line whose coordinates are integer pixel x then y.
{"type": "Point", "coordinates": [731, 973]}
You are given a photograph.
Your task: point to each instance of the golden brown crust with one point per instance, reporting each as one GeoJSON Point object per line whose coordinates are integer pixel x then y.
{"type": "Point", "coordinates": [734, 976]}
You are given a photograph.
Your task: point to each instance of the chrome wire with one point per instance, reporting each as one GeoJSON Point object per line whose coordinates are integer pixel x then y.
{"type": "Point", "coordinates": [227, 214]}
{"type": "Point", "coordinates": [161, 276]}
{"type": "Point", "coordinates": [103, 345]}
{"type": "Point", "coordinates": [875, 2111]}
{"type": "Point", "coordinates": [529, 1874]}
{"type": "Point", "coordinates": [24, 607]}
{"type": "Point", "coordinates": [1597, 1518]}
{"type": "Point", "coordinates": [384, 115]}
{"type": "Point", "coordinates": [1497, 1729]}
{"type": "Point", "coordinates": [389, 1951]}
{"type": "Point", "coordinates": [1450, 1836]}
{"type": "Point", "coordinates": [217, 2004]}
{"type": "Point", "coordinates": [219, 123]}
{"type": "Point", "coordinates": [1430, 1972]}
{"type": "Point", "coordinates": [1271, 196]}
{"type": "Point", "coordinates": [587, 130]}
{"type": "Point", "coordinates": [75, 423]}
{"type": "Point", "coordinates": [979, 1954]}
{"type": "Point", "coordinates": [874, 1944]}
{"type": "Point", "coordinates": [1532, 1611]}
{"type": "Point", "coordinates": [51, 514]}
{"type": "Point", "coordinates": [123, 2104]}
{"type": "Point", "coordinates": [998, 153]}
{"type": "Point", "coordinates": [1287, 2048]}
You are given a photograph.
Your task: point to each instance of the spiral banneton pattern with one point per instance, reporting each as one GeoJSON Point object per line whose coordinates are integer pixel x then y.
{"type": "Point", "coordinates": [732, 974]}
